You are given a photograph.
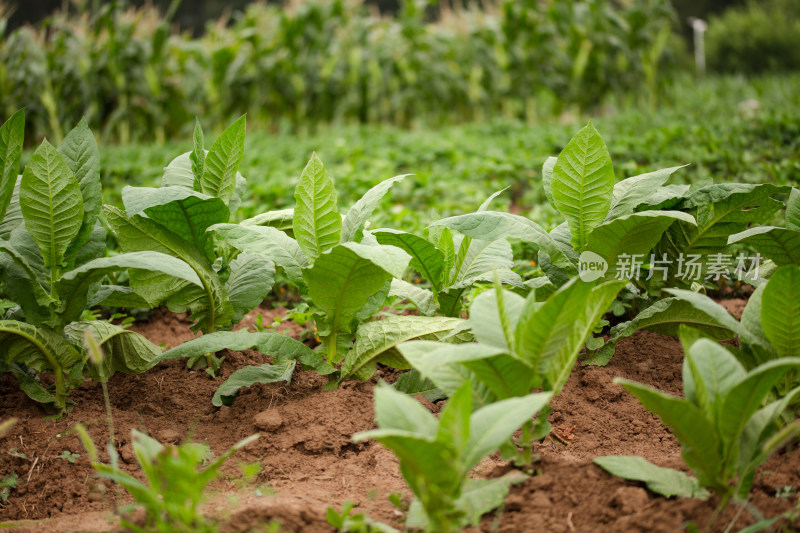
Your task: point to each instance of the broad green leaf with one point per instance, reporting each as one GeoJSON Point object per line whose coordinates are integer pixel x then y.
{"type": "Point", "coordinates": [281, 219]}
{"type": "Point", "coordinates": [494, 424]}
{"type": "Point", "coordinates": [486, 203]}
{"type": "Point", "coordinates": [13, 215]}
{"type": "Point", "coordinates": [494, 324]}
{"type": "Point", "coordinates": [222, 162]}
{"type": "Point", "coordinates": [250, 282]}
{"type": "Point", "coordinates": [317, 223]}
{"type": "Point", "coordinates": [397, 411]}
{"type": "Point", "coordinates": [547, 179]}
{"type": "Point", "coordinates": [665, 316]}
{"type": "Point", "coordinates": [454, 420]}
{"type": "Point", "coordinates": [182, 211]}
{"type": "Point", "coordinates": [633, 234]}
{"type": "Point", "coordinates": [632, 192]}
{"type": "Point", "coordinates": [422, 298]}
{"type": "Point", "coordinates": [756, 430]}
{"type": "Point", "coordinates": [583, 184]}
{"type": "Point", "coordinates": [413, 383]}
{"type": "Point", "coordinates": [780, 311]}
{"type": "Point", "coordinates": [209, 304]}
{"type": "Point", "coordinates": [353, 224]}
{"type": "Point", "coordinates": [503, 375]}
{"type": "Point", "coordinates": [342, 280]}
{"type": "Point", "coordinates": [80, 152]}
{"type": "Point", "coordinates": [714, 371]}
{"type": "Point", "coordinates": [664, 198]}
{"type": "Point", "coordinates": [73, 287]}
{"type": "Point", "coordinates": [710, 308]}
{"type": "Point", "coordinates": [179, 174]}
{"type": "Point", "coordinates": [12, 135]}
{"type": "Point", "coordinates": [51, 202]}
{"type": "Point", "coordinates": [250, 375]}
{"type": "Point", "coordinates": [29, 384]}
{"type": "Point", "coordinates": [116, 296]}
{"type": "Point", "coordinates": [751, 316]}
{"type": "Point", "coordinates": [198, 155]}
{"type": "Point", "coordinates": [793, 210]}
{"type": "Point", "coordinates": [665, 481]}
{"type": "Point", "coordinates": [123, 350]}
{"type": "Point", "coordinates": [39, 348]}
{"type": "Point", "coordinates": [18, 281]}
{"type": "Point", "coordinates": [481, 496]}
{"type": "Point", "coordinates": [268, 242]}
{"type": "Point", "coordinates": [746, 397]}
{"type": "Point", "coordinates": [492, 225]}
{"type": "Point", "coordinates": [426, 259]}
{"type": "Point", "coordinates": [441, 362]}
{"type": "Point", "coordinates": [12, 254]}
{"type": "Point", "coordinates": [700, 445]}
{"type": "Point", "coordinates": [482, 260]}
{"type": "Point", "coordinates": [280, 347]}
{"type": "Point", "coordinates": [379, 339]}
{"type": "Point", "coordinates": [551, 337]}
{"type": "Point", "coordinates": [782, 245]}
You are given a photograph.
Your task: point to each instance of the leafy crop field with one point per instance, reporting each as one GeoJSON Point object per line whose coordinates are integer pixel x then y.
{"type": "Point", "coordinates": [498, 326]}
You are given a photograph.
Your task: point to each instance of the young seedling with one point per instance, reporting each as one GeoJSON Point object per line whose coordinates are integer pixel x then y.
{"type": "Point", "coordinates": [436, 456]}
{"type": "Point", "coordinates": [724, 428]}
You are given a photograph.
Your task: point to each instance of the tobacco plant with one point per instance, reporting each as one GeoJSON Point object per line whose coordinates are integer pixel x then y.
{"type": "Point", "coordinates": [340, 269]}
{"type": "Point", "coordinates": [724, 428]}
{"type": "Point", "coordinates": [436, 456]}
{"type": "Point", "coordinates": [199, 189]}
{"type": "Point", "coordinates": [523, 344]}
{"type": "Point", "coordinates": [52, 258]}
{"type": "Point", "coordinates": [781, 245]}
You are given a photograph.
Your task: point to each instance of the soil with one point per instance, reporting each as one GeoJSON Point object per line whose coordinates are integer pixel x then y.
{"type": "Point", "coordinates": [309, 462]}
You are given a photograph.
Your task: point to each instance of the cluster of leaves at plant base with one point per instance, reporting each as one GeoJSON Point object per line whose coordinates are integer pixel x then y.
{"type": "Point", "coordinates": [52, 252]}
{"type": "Point", "coordinates": [340, 269]}
{"type": "Point", "coordinates": [724, 430]}
{"type": "Point", "coordinates": [436, 456]}
{"type": "Point", "coordinates": [523, 344]}
{"type": "Point", "coordinates": [175, 481]}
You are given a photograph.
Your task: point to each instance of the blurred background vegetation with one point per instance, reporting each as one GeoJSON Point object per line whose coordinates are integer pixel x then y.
{"type": "Point", "coordinates": [141, 71]}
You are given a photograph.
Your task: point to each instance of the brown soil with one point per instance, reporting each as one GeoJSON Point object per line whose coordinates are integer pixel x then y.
{"type": "Point", "coordinates": [309, 463]}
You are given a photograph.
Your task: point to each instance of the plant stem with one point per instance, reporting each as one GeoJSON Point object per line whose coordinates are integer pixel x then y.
{"type": "Point", "coordinates": [722, 505]}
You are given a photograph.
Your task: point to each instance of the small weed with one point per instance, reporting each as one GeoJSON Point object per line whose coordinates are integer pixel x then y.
{"type": "Point", "coordinates": [69, 456]}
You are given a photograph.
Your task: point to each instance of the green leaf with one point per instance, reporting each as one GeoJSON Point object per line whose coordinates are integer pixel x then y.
{"type": "Point", "coordinates": [357, 216]}
{"type": "Point", "coordinates": [317, 222]}
{"type": "Point", "coordinates": [632, 234]}
{"type": "Point", "coordinates": [793, 210]}
{"type": "Point", "coordinates": [481, 496]}
{"type": "Point", "coordinates": [268, 242]}
{"type": "Point", "coordinates": [182, 211]}
{"type": "Point", "coordinates": [665, 316]}
{"type": "Point", "coordinates": [422, 298]}
{"type": "Point", "coordinates": [198, 155]}
{"type": "Point", "coordinates": [780, 311]}
{"type": "Point", "coordinates": [665, 481]}
{"type": "Point", "coordinates": [700, 445]}
{"type": "Point", "coordinates": [413, 383]}
{"type": "Point", "coordinates": [494, 424]}
{"type": "Point", "coordinates": [426, 259]}
{"type": "Point", "coordinates": [710, 371]}
{"type": "Point", "coordinates": [80, 152]}
{"type": "Point", "coordinates": [12, 135]}
{"type": "Point", "coordinates": [711, 309]}
{"type": "Point", "coordinates": [282, 219]}
{"type": "Point", "coordinates": [14, 256]}
{"type": "Point", "coordinates": [397, 411]}
{"type": "Point", "coordinates": [482, 260]}
{"type": "Point", "coordinates": [74, 286]}
{"type": "Point", "coordinates": [29, 384]}
{"type": "Point", "coordinates": [492, 225]}
{"type": "Point", "coordinates": [551, 337]}
{"type": "Point", "coordinates": [250, 282]}
{"type": "Point", "coordinates": [746, 397]}
{"type": "Point", "coordinates": [493, 319]}
{"type": "Point", "coordinates": [583, 184]}
{"type": "Point", "coordinates": [51, 202]}
{"type": "Point", "coordinates": [280, 347]}
{"type": "Point", "coordinates": [116, 296]}
{"type": "Point", "coordinates": [39, 348]}
{"type": "Point", "coordinates": [123, 350]}
{"type": "Point", "coordinates": [342, 280]}
{"type": "Point", "coordinates": [222, 162]}
{"type": "Point", "coordinates": [250, 375]}
{"type": "Point", "coordinates": [13, 214]}
{"type": "Point", "coordinates": [779, 244]}
{"type": "Point", "coordinates": [454, 420]}
{"type": "Point", "coordinates": [379, 339]}
{"type": "Point", "coordinates": [547, 179]}
{"type": "Point", "coordinates": [632, 192]}
{"type": "Point", "coordinates": [209, 303]}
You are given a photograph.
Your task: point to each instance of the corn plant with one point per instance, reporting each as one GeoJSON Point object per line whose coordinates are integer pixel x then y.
{"type": "Point", "coordinates": [53, 261]}
{"type": "Point", "coordinates": [436, 456]}
{"type": "Point", "coordinates": [724, 428]}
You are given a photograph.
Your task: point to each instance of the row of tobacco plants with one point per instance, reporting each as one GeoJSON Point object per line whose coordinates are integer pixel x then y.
{"type": "Point", "coordinates": [177, 246]}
